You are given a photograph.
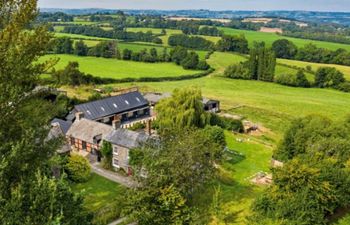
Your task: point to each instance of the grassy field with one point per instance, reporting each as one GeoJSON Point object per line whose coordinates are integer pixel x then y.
{"type": "Point", "coordinates": [78, 36]}
{"type": "Point", "coordinates": [269, 38]}
{"type": "Point", "coordinates": [118, 69]}
{"type": "Point", "coordinates": [315, 66]}
{"type": "Point", "coordinates": [156, 31]}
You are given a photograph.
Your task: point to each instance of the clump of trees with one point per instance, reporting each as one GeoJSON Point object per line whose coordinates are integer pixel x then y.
{"type": "Point", "coordinates": [237, 43]}
{"type": "Point", "coordinates": [260, 66]}
{"type": "Point", "coordinates": [313, 182]}
{"type": "Point", "coordinates": [294, 80]}
{"type": "Point", "coordinates": [188, 60]}
{"type": "Point", "coordinates": [192, 42]}
{"type": "Point", "coordinates": [285, 49]}
{"type": "Point", "coordinates": [105, 49]}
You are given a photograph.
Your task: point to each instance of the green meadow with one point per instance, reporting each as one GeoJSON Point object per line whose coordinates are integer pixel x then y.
{"type": "Point", "coordinates": [314, 66]}
{"type": "Point", "coordinates": [269, 38]}
{"type": "Point", "coordinates": [118, 69]}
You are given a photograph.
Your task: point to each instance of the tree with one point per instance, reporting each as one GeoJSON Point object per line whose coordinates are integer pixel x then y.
{"type": "Point", "coordinates": [63, 46]}
{"type": "Point", "coordinates": [81, 49]}
{"type": "Point", "coordinates": [185, 164]}
{"type": "Point", "coordinates": [183, 109]}
{"type": "Point", "coordinates": [127, 54]}
{"type": "Point", "coordinates": [216, 134]}
{"type": "Point", "coordinates": [238, 71]}
{"type": "Point", "coordinates": [328, 77]}
{"type": "Point", "coordinates": [301, 80]}
{"type": "Point", "coordinates": [177, 54]}
{"type": "Point", "coordinates": [262, 63]}
{"type": "Point", "coordinates": [285, 49]}
{"type": "Point", "coordinates": [107, 153]}
{"type": "Point", "coordinates": [233, 44]}
{"type": "Point", "coordinates": [78, 168]}
{"type": "Point", "coordinates": [191, 61]}
{"type": "Point", "coordinates": [28, 193]}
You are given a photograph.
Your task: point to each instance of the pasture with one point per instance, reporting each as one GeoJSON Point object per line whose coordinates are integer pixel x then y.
{"type": "Point", "coordinates": [314, 66]}
{"type": "Point", "coordinates": [269, 38]}
{"type": "Point", "coordinates": [119, 69]}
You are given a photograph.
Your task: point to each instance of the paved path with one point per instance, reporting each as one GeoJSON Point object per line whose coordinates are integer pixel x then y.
{"type": "Point", "coordinates": [125, 181]}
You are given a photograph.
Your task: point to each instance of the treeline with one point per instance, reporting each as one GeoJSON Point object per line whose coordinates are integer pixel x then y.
{"type": "Point", "coordinates": [227, 43]}
{"type": "Point", "coordinates": [113, 34]}
{"type": "Point", "coordinates": [319, 37]}
{"type": "Point", "coordinates": [284, 48]}
{"type": "Point", "coordinates": [55, 17]}
{"type": "Point", "coordinates": [193, 42]}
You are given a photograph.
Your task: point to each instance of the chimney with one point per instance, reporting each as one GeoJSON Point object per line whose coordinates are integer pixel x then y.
{"type": "Point", "coordinates": [79, 116]}
{"type": "Point", "coordinates": [149, 127]}
{"type": "Point", "coordinates": [116, 124]}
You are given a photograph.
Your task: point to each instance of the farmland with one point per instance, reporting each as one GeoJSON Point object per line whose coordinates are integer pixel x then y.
{"type": "Point", "coordinates": [118, 69]}
{"type": "Point", "coordinates": [269, 38]}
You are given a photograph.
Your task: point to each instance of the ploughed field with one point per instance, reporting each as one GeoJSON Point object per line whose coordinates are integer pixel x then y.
{"type": "Point", "coordinates": [119, 69]}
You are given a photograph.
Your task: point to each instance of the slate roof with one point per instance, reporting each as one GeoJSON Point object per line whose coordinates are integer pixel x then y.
{"type": "Point", "coordinates": [64, 125]}
{"type": "Point", "coordinates": [110, 106]}
{"type": "Point", "coordinates": [55, 133]}
{"type": "Point", "coordinates": [126, 138]}
{"type": "Point", "coordinates": [87, 130]}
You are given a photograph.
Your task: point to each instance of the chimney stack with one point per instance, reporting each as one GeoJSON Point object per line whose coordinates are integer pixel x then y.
{"type": "Point", "coordinates": [116, 124]}
{"type": "Point", "coordinates": [79, 116]}
{"type": "Point", "coordinates": [149, 127]}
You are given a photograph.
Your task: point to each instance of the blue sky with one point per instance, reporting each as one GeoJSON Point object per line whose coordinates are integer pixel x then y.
{"type": "Point", "coordinates": [316, 5]}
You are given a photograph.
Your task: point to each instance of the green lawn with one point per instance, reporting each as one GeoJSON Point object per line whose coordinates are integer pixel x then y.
{"type": "Point", "coordinates": [315, 66]}
{"type": "Point", "coordinates": [118, 69]}
{"type": "Point", "coordinates": [269, 38]}
{"type": "Point", "coordinates": [99, 192]}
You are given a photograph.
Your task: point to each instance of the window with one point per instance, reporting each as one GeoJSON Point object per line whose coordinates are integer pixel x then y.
{"type": "Point", "coordinates": [138, 99]}
{"type": "Point", "coordinates": [115, 105]}
{"type": "Point", "coordinates": [116, 162]}
{"type": "Point", "coordinates": [72, 141]}
{"type": "Point", "coordinates": [88, 112]}
{"type": "Point", "coordinates": [127, 102]}
{"type": "Point", "coordinates": [115, 151]}
{"type": "Point", "coordinates": [84, 145]}
{"type": "Point", "coordinates": [103, 109]}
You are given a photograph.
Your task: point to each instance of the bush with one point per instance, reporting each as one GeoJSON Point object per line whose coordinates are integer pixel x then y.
{"type": "Point", "coordinates": [345, 87]}
{"type": "Point", "coordinates": [216, 134]}
{"type": "Point", "coordinates": [138, 126]}
{"type": "Point", "coordinates": [107, 214]}
{"type": "Point", "coordinates": [203, 65]}
{"type": "Point", "coordinates": [78, 168]}
{"type": "Point", "coordinates": [227, 123]}
{"type": "Point", "coordinates": [286, 79]}
{"type": "Point", "coordinates": [237, 71]}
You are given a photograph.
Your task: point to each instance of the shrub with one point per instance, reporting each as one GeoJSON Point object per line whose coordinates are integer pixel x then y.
{"type": "Point", "coordinates": [203, 65]}
{"type": "Point", "coordinates": [227, 123]}
{"type": "Point", "coordinates": [345, 87]}
{"type": "Point", "coordinates": [286, 79]}
{"type": "Point", "coordinates": [237, 71]}
{"type": "Point", "coordinates": [216, 134]}
{"type": "Point", "coordinates": [107, 153]}
{"type": "Point", "coordinates": [138, 126]}
{"type": "Point", "coordinates": [78, 168]}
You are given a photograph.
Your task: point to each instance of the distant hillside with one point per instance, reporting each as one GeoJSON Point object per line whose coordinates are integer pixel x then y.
{"type": "Point", "coordinates": [324, 17]}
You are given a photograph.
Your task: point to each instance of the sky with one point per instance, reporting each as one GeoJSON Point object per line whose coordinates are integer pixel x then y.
{"type": "Point", "coordinates": [309, 5]}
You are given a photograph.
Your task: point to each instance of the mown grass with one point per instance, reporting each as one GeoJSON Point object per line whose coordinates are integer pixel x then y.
{"type": "Point", "coordinates": [99, 192]}
{"type": "Point", "coordinates": [269, 38]}
{"type": "Point", "coordinates": [315, 66]}
{"type": "Point", "coordinates": [118, 69]}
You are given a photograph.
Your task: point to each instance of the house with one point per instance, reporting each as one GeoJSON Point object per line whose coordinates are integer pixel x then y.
{"type": "Point", "coordinates": [59, 129]}
{"type": "Point", "coordinates": [87, 135]}
{"type": "Point", "coordinates": [125, 108]}
{"type": "Point", "coordinates": [123, 141]}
